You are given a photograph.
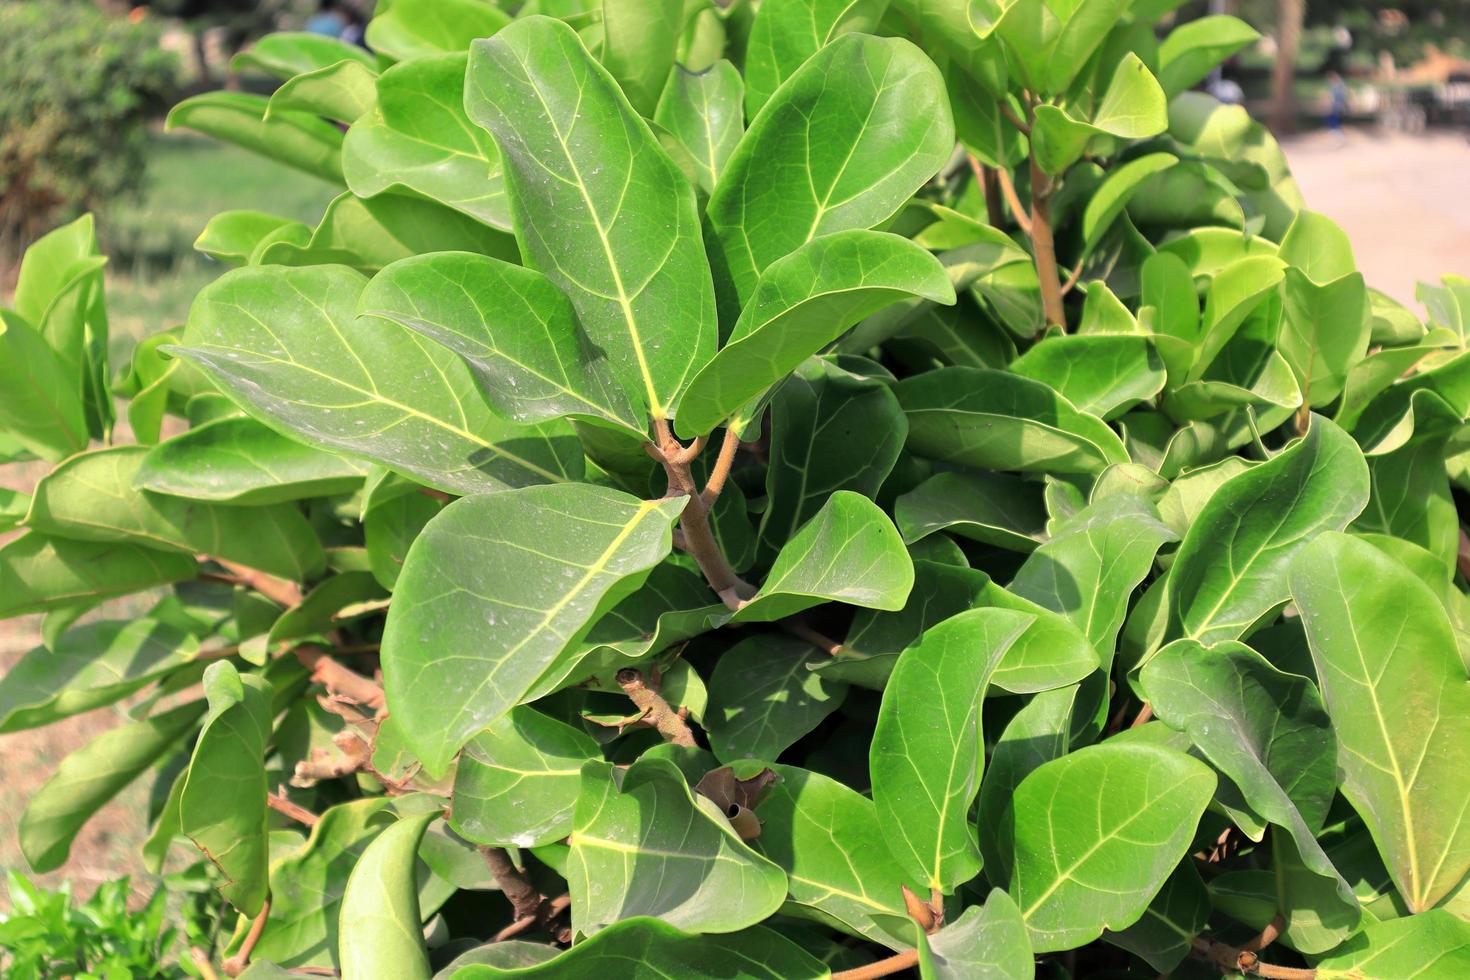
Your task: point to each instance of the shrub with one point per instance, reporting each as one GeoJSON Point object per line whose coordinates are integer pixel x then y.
{"type": "Point", "coordinates": [76, 88]}
{"type": "Point", "coordinates": [674, 487]}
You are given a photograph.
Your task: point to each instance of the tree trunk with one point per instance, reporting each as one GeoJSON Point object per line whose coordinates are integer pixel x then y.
{"type": "Point", "coordinates": [1289, 14]}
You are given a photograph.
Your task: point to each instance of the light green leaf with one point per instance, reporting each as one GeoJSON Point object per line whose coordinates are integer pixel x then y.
{"type": "Point", "coordinates": [703, 112]}
{"type": "Point", "coordinates": [297, 139]}
{"type": "Point", "coordinates": [765, 696]}
{"type": "Point", "coordinates": [1324, 331]}
{"type": "Point", "coordinates": [497, 586]}
{"type": "Point", "coordinates": [91, 497]}
{"type": "Point", "coordinates": [1261, 519]}
{"type": "Point", "coordinates": [597, 205]}
{"type": "Point", "coordinates": [233, 236]}
{"type": "Point", "coordinates": [1404, 761]}
{"type": "Point", "coordinates": [841, 145]}
{"type": "Point", "coordinates": [638, 42]}
{"type": "Point", "coordinates": [1192, 50]}
{"type": "Point", "coordinates": [222, 806]}
{"type": "Point", "coordinates": [1102, 375]}
{"type": "Point", "coordinates": [1432, 944]}
{"type": "Point", "coordinates": [1411, 497]}
{"type": "Point", "coordinates": [849, 552]}
{"type": "Point", "coordinates": [987, 942]}
{"type": "Point", "coordinates": [285, 345]}
{"type": "Point", "coordinates": [788, 32]}
{"type": "Point", "coordinates": [420, 140]}
{"type": "Point", "coordinates": [283, 54]}
{"type": "Point", "coordinates": [927, 752]}
{"type": "Point", "coordinates": [513, 328]}
{"type": "Point", "coordinates": [993, 508]}
{"type": "Point", "coordinates": [1132, 107]}
{"type": "Point", "coordinates": [380, 931]}
{"type": "Point", "coordinates": [409, 29]}
{"type": "Point", "coordinates": [40, 572]}
{"type": "Point", "coordinates": [343, 91]}
{"type": "Point", "coordinates": [92, 775]}
{"type": "Point", "coordinates": [1111, 196]}
{"type": "Point", "coordinates": [1051, 42]}
{"type": "Point", "coordinates": [826, 837]}
{"type": "Point", "coordinates": [40, 406]}
{"type": "Point", "coordinates": [692, 870]}
{"type": "Point", "coordinates": [994, 420]}
{"type": "Point", "coordinates": [803, 302]}
{"type": "Point", "coordinates": [1097, 832]}
{"type": "Point", "coordinates": [517, 781]}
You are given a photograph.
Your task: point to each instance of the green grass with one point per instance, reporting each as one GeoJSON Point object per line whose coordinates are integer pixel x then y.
{"type": "Point", "coordinates": [154, 271]}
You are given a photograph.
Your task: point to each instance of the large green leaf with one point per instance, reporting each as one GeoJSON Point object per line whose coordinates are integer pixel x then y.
{"type": "Point", "coordinates": [91, 497]}
{"type": "Point", "coordinates": [1325, 326]}
{"type": "Point", "coordinates": [381, 932]}
{"type": "Point", "coordinates": [283, 54]}
{"type": "Point", "coordinates": [1096, 834]}
{"type": "Point", "coordinates": [1132, 107]}
{"type": "Point", "coordinates": [285, 345]}
{"type": "Point", "coordinates": [804, 301]}
{"type": "Point", "coordinates": [643, 845]}
{"type": "Point", "coordinates": [1258, 520]}
{"type": "Point", "coordinates": [827, 838]}
{"type": "Point", "coordinates": [927, 751]}
{"type": "Point", "coordinates": [343, 92]}
{"type": "Point", "coordinates": [40, 407]}
{"type": "Point", "coordinates": [638, 42]}
{"type": "Point", "coordinates": [40, 572]}
{"type": "Point", "coordinates": [989, 419]}
{"type": "Point", "coordinates": [222, 807]}
{"type": "Point", "coordinates": [1113, 194]}
{"type": "Point", "coordinates": [987, 942]}
{"type": "Point", "coordinates": [1050, 42]}
{"type": "Point", "coordinates": [408, 29]}
{"type": "Point", "coordinates": [297, 139]}
{"type": "Point", "coordinates": [1411, 497]}
{"type": "Point", "coordinates": [1192, 50]}
{"type": "Point", "coordinates": [764, 696]}
{"type": "Point", "coordinates": [1178, 913]}
{"type": "Point", "coordinates": [1433, 944]}
{"type": "Point", "coordinates": [993, 508]}
{"type": "Point", "coordinates": [1103, 375]}
{"type": "Point", "coordinates": [513, 327]}
{"type": "Point", "coordinates": [841, 145]}
{"type": "Point", "coordinates": [91, 776]}
{"type": "Point", "coordinates": [703, 112]}
{"type": "Point", "coordinates": [1395, 686]}
{"type": "Point", "coordinates": [517, 781]}
{"type": "Point", "coordinates": [597, 205]}
{"type": "Point", "coordinates": [240, 461]}
{"type": "Point", "coordinates": [788, 32]}
{"type": "Point", "coordinates": [647, 948]}
{"type": "Point", "coordinates": [495, 588]}
{"type": "Point", "coordinates": [90, 666]}
{"type": "Point", "coordinates": [419, 140]}
{"type": "Point", "coordinates": [849, 552]}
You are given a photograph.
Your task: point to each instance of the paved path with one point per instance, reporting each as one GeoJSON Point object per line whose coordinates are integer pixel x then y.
{"type": "Point", "coordinates": [1404, 201]}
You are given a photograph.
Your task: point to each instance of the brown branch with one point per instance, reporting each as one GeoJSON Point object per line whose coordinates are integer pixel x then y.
{"type": "Point", "coordinates": [1267, 936]}
{"type": "Point", "coordinates": [202, 964]}
{"type": "Point", "coordinates": [548, 912]}
{"type": "Point", "coordinates": [339, 679]}
{"type": "Point", "coordinates": [1072, 278]}
{"type": "Point", "coordinates": [529, 907]}
{"type": "Point", "coordinates": [1008, 188]}
{"type": "Point", "coordinates": [1043, 248]}
{"type": "Point", "coordinates": [721, 471]}
{"type": "Point", "coordinates": [800, 630]}
{"type": "Point", "coordinates": [277, 801]}
{"type": "Point", "coordinates": [277, 590]}
{"type": "Point", "coordinates": [235, 965]}
{"type": "Point", "coordinates": [1462, 554]}
{"type": "Point", "coordinates": [657, 714]}
{"type": "Point", "coordinates": [906, 960]}
{"type": "Point", "coordinates": [699, 539]}
{"type": "Point", "coordinates": [1144, 714]}
{"type": "Point", "coordinates": [1011, 117]}
{"type": "Point", "coordinates": [1229, 959]}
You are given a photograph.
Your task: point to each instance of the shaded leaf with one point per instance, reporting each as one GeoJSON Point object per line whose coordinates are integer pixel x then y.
{"type": "Point", "coordinates": [765, 696]}
{"type": "Point", "coordinates": [380, 929]}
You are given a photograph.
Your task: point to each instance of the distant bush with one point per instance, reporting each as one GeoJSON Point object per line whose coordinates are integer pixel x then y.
{"type": "Point", "coordinates": [76, 88]}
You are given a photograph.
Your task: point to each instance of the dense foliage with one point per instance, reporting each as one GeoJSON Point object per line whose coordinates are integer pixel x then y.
{"type": "Point", "coordinates": [827, 489]}
{"type": "Point", "coordinates": [72, 137]}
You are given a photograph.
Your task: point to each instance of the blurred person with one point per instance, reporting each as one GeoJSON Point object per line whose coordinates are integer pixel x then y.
{"type": "Point", "coordinates": [328, 21]}
{"type": "Point", "coordinates": [1337, 104]}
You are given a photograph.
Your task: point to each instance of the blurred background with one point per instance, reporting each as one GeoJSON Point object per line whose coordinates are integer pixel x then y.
{"type": "Point", "coordinates": [1371, 102]}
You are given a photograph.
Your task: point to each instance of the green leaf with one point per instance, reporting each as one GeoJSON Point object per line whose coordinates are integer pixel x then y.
{"type": "Point", "coordinates": [987, 942]}
{"type": "Point", "coordinates": [1404, 761]}
{"type": "Point", "coordinates": [1097, 832]}
{"type": "Point", "coordinates": [1411, 497]}
{"type": "Point", "coordinates": [1178, 913]}
{"type": "Point", "coordinates": [1434, 943]}
{"type": "Point", "coordinates": [1102, 375]}
{"type": "Point", "coordinates": [1132, 107]}
{"type": "Point", "coordinates": [831, 429]}
{"type": "Point", "coordinates": [536, 566]}
{"type": "Point", "coordinates": [91, 497]}
{"type": "Point", "coordinates": [1261, 519]}
{"type": "Point", "coordinates": [842, 145]}
{"type": "Point", "coordinates": [849, 552]}
{"type": "Point", "coordinates": [1192, 50]}
{"type": "Point", "coordinates": [326, 606]}
{"type": "Point", "coordinates": [703, 112]}
{"type": "Point", "coordinates": [803, 302]}
{"type": "Point", "coordinates": [638, 42]}
{"type": "Point", "coordinates": [513, 328]}
{"type": "Point", "coordinates": [40, 406]}
{"type": "Point", "coordinates": [421, 141]}
{"type": "Point", "coordinates": [597, 205]}
{"type": "Point", "coordinates": [233, 236]}
{"type": "Point", "coordinates": [380, 930]}
{"type": "Point", "coordinates": [1050, 43]}
{"type": "Point", "coordinates": [927, 752]}
{"type": "Point", "coordinates": [1389, 419]}
{"type": "Point", "coordinates": [283, 54]}
{"type": "Point", "coordinates": [410, 29]}
{"type": "Point", "coordinates": [239, 461]}
{"type": "Point", "coordinates": [90, 666]}
{"type": "Point", "coordinates": [788, 32]}
{"type": "Point", "coordinates": [646, 948]}
{"type": "Point", "coordinates": [1326, 323]}
{"type": "Point", "coordinates": [222, 806]}
{"type": "Point", "coordinates": [764, 696]}
{"type": "Point", "coordinates": [306, 142]}
{"type": "Point", "coordinates": [993, 508]}
{"type": "Point", "coordinates": [517, 781]}
{"type": "Point", "coordinates": [826, 837]}
{"type": "Point", "coordinates": [343, 92]}
{"type": "Point", "coordinates": [40, 572]}
{"type": "Point", "coordinates": [994, 420]}
{"type": "Point", "coordinates": [1112, 195]}
{"type": "Point", "coordinates": [284, 345]}
{"type": "Point", "coordinates": [92, 775]}
{"type": "Point", "coordinates": [692, 870]}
